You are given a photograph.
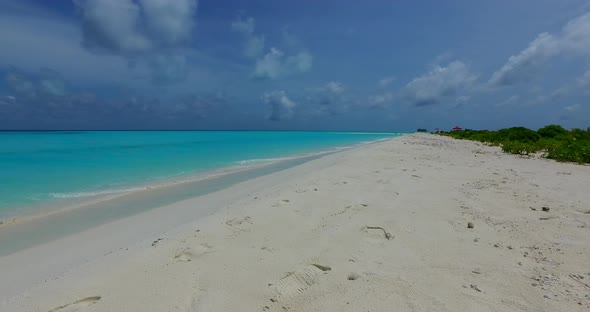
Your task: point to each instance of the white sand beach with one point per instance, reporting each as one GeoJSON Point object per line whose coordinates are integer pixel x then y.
{"type": "Point", "coordinates": [382, 227]}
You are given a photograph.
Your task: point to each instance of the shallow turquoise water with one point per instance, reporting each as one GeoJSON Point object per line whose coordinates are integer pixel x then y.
{"type": "Point", "coordinates": [38, 167]}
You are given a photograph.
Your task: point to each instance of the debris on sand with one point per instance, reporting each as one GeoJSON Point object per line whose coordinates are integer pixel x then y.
{"type": "Point", "coordinates": [353, 277]}
{"type": "Point", "coordinates": [324, 268]}
{"type": "Point", "coordinates": [388, 235]}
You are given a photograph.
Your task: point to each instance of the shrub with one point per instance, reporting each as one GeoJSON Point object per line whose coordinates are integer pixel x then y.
{"type": "Point", "coordinates": [519, 134]}
{"type": "Point", "coordinates": [549, 145]}
{"type": "Point", "coordinates": [556, 142]}
{"type": "Point", "coordinates": [520, 148]}
{"type": "Point", "coordinates": [580, 134]}
{"type": "Point", "coordinates": [575, 151]}
{"type": "Point", "coordinates": [552, 131]}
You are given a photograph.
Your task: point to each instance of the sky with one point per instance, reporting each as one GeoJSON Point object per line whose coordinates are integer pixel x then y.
{"type": "Point", "coordinates": [371, 65]}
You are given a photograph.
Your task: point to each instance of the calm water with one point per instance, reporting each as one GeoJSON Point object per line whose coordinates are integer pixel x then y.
{"type": "Point", "coordinates": [41, 167]}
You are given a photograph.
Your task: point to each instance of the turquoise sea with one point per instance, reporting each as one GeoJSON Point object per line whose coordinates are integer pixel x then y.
{"type": "Point", "coordinates": [44, 167]}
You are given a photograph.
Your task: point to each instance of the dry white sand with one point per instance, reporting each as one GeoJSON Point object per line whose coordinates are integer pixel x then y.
{"type": "Point", "coordinates": [378, 228]}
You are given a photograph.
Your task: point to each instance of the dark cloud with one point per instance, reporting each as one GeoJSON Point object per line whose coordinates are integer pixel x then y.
{"type": "Point", "coordinates": [281, 106]}
{"type": "Point", "coordinates": [330, 99]}
{"type": "Point", "coordinates": [42, 98]}
{"type": "Point", "coordinates": [129, 27]}
{"type": "Point", "coordinates": [152, 34]}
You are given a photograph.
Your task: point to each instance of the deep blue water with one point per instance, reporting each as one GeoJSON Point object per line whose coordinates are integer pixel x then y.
{"type": "Point", "coordinates": [39, 167]}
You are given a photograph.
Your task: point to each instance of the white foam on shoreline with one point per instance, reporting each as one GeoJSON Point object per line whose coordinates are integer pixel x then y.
{"type": "Point", "coordinates": [97, 193]}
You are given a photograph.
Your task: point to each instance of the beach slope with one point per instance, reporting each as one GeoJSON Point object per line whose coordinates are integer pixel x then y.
{"type": "Point", "coordinates": [416, 223]}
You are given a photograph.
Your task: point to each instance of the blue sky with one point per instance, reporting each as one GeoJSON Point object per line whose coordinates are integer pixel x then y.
{"type": "Point", "coordinates": [326, 65]}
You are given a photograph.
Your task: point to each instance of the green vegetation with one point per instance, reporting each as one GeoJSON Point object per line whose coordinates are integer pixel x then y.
{"type": "Point", "coordinates": [552, 141]}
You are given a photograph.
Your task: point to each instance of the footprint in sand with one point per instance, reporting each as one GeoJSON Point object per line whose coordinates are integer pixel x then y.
{"type": "Point", "coordinates": [295, 283]}
{"type": "Point", "coordinates": [75, 306]}
{"type": "Point", "coordinates": [280, 203]}
{"type": "Point", "coordinates": [187, 254]}
{"type": "Point", "coordinates": [238, 221]}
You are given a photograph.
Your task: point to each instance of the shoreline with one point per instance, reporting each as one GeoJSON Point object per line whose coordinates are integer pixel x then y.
{"type": "Point", "coordinates": [41, 228]}
{"type": "Point", "coordinates": [247, 247]}
{"type": "Point", "coordinates": [84, 201]}
{"type": "Point", "coordinates": [63, 204]}
{"type": "Point", "coordinates": [95, 166]}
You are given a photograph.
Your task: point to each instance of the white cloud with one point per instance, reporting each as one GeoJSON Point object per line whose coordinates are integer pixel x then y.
{"type": "Point", "coordinates": [152, 33]}
{"type": "Point", "coordinates": [30, 42]}
{"type": "Point", "coordinates": [169, 21]}
{"type": "Point", "coordinates": [584, 82]}
{"type": "Point", "coordinates": [129, 27]}
{"type": "Point", "coordinates": [20, 85]}
{"type": "Point", "coordinates": [438, 84]}
{"type": "Point", "coordinates": [524, 66]}
{"type": "Point", "coordinates": [270, 66]}
{"type": "Point", "coordinates": [574, 39]}
{"type": "Point", "coordinates": [509, 101]}
{"type": "Point", "coordinates": [113, 25]}
{"type": "Point", "coordinates": [273, 65]}
{"type": "Point", "coordinates": [168, 68]}
{"type": "Point", "coordinates": [380, 100]}
{"type": "Point", "coordinates": [276, 63]}
{"type": "Point", "coordinates": [301, 62]}
{"type": "Point", "coordinates": [577, 87]}
{"type": "Point", "coordinates": [243, 26]}
{"type": "Point", "coordinates": [48, 83]}
{"type": "Point", "coordinates": [328, 99]}
{"type": "Point", "coordinates": [254, 44]}
{"type": "Point", "coordinates": [51, 83]}
{"type": "Point", "coordinates": [289, 39]}
{"type": "Point", "coordinates": [572, 108]}
{"type": "Point", "coordinates": [576, 36]}
{"type": "Point", "coordinates": [334, 87]}
{"type": "Point", "coordinates": [386, 81]}
{"type": "Point", "coordinates": [281, 106]}
{"type": "Point", "coordinates": [43, 92]}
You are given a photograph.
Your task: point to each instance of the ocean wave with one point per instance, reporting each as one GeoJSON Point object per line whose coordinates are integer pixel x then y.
{"type": "Point", "coordinates": [262, 161]}
{"type": "Point", "coordinates": [257, 161]}
{"type": "Point", "coordinates": [98, 193]}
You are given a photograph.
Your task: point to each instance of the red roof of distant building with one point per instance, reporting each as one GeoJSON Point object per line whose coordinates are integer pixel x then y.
{"type": "Point", "coordinates": [457, 128]}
